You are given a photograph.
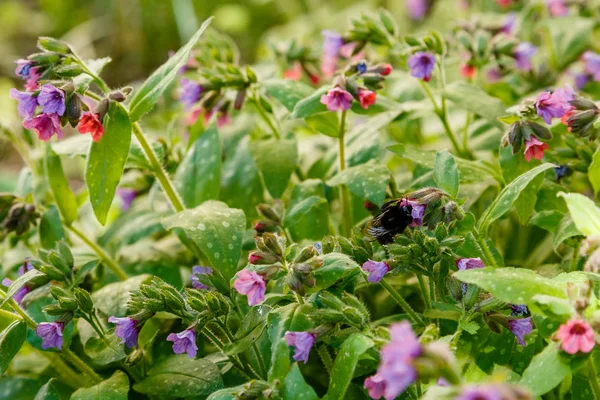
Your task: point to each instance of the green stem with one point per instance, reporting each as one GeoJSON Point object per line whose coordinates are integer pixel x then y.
{"type": "Point", "coordinates": [217, 342]}
{"type": "Point", "coordinates": [261, 362]}
{"type": "Point", "coordinates": [575, 257]}
{"type": "Point", "coordinates": [65, 372]}
{"type": "Point", "coordinates": [100, 252]}
{"type": "Point", "coordinates": [325, 357]}
{"type": "Point", "coordinates": [594, 379]}
{"type": "Point", "coordinates": [159, 171]}
{"type": "Point", "coordinates": [402, 303]}
{"type": "Point", "coordinates": [344, 195]}
{"type": "Point", "coordinates": [263, 114]}
{"type": "Point", "coordinates": [424, 291]}
{"type": "Point", "coordinates": [490, 260]}
{"type": "Point", "coordinates": [10, 315]}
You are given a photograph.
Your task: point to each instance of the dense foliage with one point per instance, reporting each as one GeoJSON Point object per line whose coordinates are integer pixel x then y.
{"type": "Point", "coordinates": [388, 216]}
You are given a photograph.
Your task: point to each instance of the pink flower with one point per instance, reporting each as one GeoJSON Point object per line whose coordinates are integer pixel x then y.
{"type": "Point", "coordinates": [503, 3]}
{"type": "Point", "coordinates": [576, 335]}
{"type": "Point", "coordinates": [252, 285]}
{"type": "Point", "coordinates": [46, 125]}
{"type": "Point", "coordinates": [535, 149]}
{"type": "Point", "coordinates": [222, 118]}
{"type": "Point", "coordinates": [557, 8]}
{"type": "Point", "coordinates": [337, 99]}
{"type": "Point", "coordinates": [91, 123]}
{"type": "Point", "coordinates": [555, 104]}
{"type": "Point", "coordinates": [302, 343]}
{"type": "Point", "coordinates": [32, 81]}
{"type": "Point", "coordinates": [375, 385]}
{"type": "Point", "coordinates": [366, 98]}
{"type": "Point", "coordinates": [294, 73]}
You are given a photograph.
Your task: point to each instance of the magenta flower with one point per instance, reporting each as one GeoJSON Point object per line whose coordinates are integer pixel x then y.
{"type": "Point", "coordinates": [127, 196]}
{"type": "Point", "coordinates": [576, 335]}
{"type": "Point", "coordinates": [417, 9]}
{"type": "Point", "coordinates": [46, 125]}
{"type": "Point", "coordinates": [190, 93]}
{"type": "Point", "coordinates": [376, 270]}
{"type": "Point", "coordinates": [469, 263]}
{"type": "Point", "coordinates": [223, 118]}
{"type": "Point", "coordinates": [196, 272]}
{"type": "Point", "coordinates": [494, 75]}
{"type": "Point", "coordinates": [126, 329]}
{"type": "Point", "coordinates": [557, 8]}
{"type": "Point", "coordinates": [252, 285]}
{"type": "Point", "coordinates": [396, 371]}
{"type": "Point", "coordinates": [421, 65]}
{"type": "Point", "coordinates": [51, 334]}
{"type": "Point", "coordinates": [535, 149]}
{"type": "Point", "coordinates": [523, 53]}
{"type": "Point", "coordinates": [555, 104]}
{"type": "Point", "coordinates": [27, 103]}
{"type": "Point", "coordinates": [302, 342]}
{"type": "Point", "coordinates": [52, 100]}
{"type": "Point", "coordinates": [366, 98]}
{"type": "Point", "coordinates": [592, 64]}
{"type": "Point", "coordinates": [481, 392]}
{"type": "Point", "coordinates": [520, 327]}
{"type": "Point", "coordinates": [184, 342]}
{"type": "Point", "coordinates": [337, 99]}
{"type": "Point", "coordinates": [417, 213]}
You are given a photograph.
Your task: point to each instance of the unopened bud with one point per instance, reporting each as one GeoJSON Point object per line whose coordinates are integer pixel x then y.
{"type": "Point", "coordinates": [83, 300]}
{"type": "Point", "coordinates": [68, 71]}
{"type": "Point", "coordinates": [51, 44]}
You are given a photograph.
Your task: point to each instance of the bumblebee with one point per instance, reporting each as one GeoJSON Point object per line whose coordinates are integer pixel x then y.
{"type": "Point", "coordinates": [394, 218]}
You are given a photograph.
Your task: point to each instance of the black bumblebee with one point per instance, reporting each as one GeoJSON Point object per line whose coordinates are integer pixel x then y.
{"type": "Point", "coordinates": [393, 219]}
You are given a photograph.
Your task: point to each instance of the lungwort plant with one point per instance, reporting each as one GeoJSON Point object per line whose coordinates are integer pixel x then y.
{"type": "Point", "coordinates": [394, 216]}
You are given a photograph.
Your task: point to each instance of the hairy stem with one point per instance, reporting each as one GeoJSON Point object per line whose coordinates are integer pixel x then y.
{"type": "Point", "coordinates": [412, 315]}
{"type": "Point", "coordinates": [344, 195]}
{"type": "Point", "coordinates": [594, 379]}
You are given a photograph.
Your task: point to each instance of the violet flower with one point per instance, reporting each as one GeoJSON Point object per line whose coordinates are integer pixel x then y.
{"type": "Point", "coordinates": [46, 125]}
{"type": "Point", "coordinates": [127, 196]}
{"type": "Point", "coordinates": [27, 102]}
{"type": "Point", "coordinates": [190, 93]}
{"type": "Point", "coordinates": [337, 99]}
{"type": "Point", "coordinates": [376, 270]}
{"type": "Point", "coordinates": [52, 100]}
{"type": "Point", "coordinates": [331, 49]}
{"type": "Point", "coordinates": [581, 80]}
{"type": "Point", "coordinates": [523, 53]}
{"type": "Point", "coordinates": [576, 336]}
{"type": "Point", "coordinates": [421, 65]}
{"type": "Point", "coordinates": [510, 21]}
{"type": "Point", "coordinates": [417, 9]}
{"type": "Point", "coordinates": [469, 263]}
{"type": "Point", "coordinates": [555, 104]}
{"type": "Point", "coordinates": [199, 270]}
{"type": "Point", "coordinates": [592, 64]}
{"type": "Point", "coordinates": [520, 327]}
{"type": "Point", "coordinates": [184, 342]}
{"type": "Point", "coordinates": [252, 285]}
{"type": "Point", "coordinates": [51, 334]}
{"type": "Point", "coordinates": [417, 213]}
{"type": "Point", "coordinates": [22, 292]}
{"type": "Point", "coordinates": [302, 343]}
{"type": "Point", "coordinates": [126, 329]}
{"type": "Point", "coordinates": [481, 392]}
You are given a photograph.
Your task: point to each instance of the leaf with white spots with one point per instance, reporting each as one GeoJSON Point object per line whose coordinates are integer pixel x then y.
{"type": "Point", "coordinates": [308, 219]}
{"type": "Point", "coordinates": [276, 160]}
{"type": "Point", "coordinates": [445, 173]}
{"type": "Point", "coordinates": [345, 364]}
{"type": "Point", "coordinates": [296, 388]}
{"type": "Point", "coordinates": [217, 230]}
{"type": "Point", "coordinates": [555, 368]}
{"type": "Point", "coordinates": [287, 92]}
{"type": "Point", "coordinates": [114, 388]}
{"type": "Point", "coordinates": [584, 213]}
{"type": "Point", "coordinates": [112, 299]}
{"type": "Point", "coordinates": [180, 376]}
{"type": "Point", "coordinates": [198, 176]}
{"type": "Point", "coordinates": [367, 181]}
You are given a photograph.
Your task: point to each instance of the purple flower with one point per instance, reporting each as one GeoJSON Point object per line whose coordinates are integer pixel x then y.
{"type": "Point", "coordinates": [494, 74]}
{"type": "Point", "coordinates": [51, 334]}
{"type": "Point", "coordinates": [127, 196]}
{"type": "Point", "coordinates": [555, 104]}
{"type": "Point", "coordinates": [199, 270]}
{"type": "Point", "coordinates": [509, 23]}
{"type": "Point", "coordinates": [184, 342]}
{"type": "Point", "coordinates": [581, 80]}
{"type": "Point", "coordinates": [396, 371]}
{"type": "Point", "coordinates": [252, 285]}
{"type": "Point", "coordinates": [482, 392]}
{"type": "Point", "coordinates": [592, 64]}
{"type": "Point", "coordinates": [52, 100]}
{"type": "Point", "coordinates": [22, 292]}
{"type": "Point", "coordinates": [27, 103]}
{"type": "Point", "coordinates": [417, 213]}
{"type": "Point", "coordinates": [417, 9]}
{"type": "Point", "coordinates": [331, 49]}
{"type": "Point", "coordinates": [469, 263]}
{"type": "Point", "coordinates": [519, 310]}
{"type": "Point", "coordinates": [520, 327]}
{"type": "Point", "coordinates": [46, 125]}
{"type": "Point", "coordinates": [302, 343]}
{"type": "Point", "coordinates": [421, 65]}
{"type": "Point", "coordinates": [376, 270]}
{"type": "Point", "coordinates": [23, 68]}
{"type": "Point", "coordinates": [523, 53]}
{"type": "Point", "coordinates": [190, 93]}
{"type": "Point", "coordinates": [337, 99]}
{"type": "Point", "coordinates": [126, 329]}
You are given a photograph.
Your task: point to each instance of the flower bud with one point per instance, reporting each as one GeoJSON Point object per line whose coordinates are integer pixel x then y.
{"type": "Point", "coordinates": [118, 96]}
{"type": "Point", "coordinates": [83, 300]}
{"type": "Point", "coordinates": [73, 111]}
{"type": "Point", "coordinates": [68, 71]}
{"type": "Point", "coordinates": [45, 58]}
{"type": "Point", "coordinates": [274, 243]}
{"type": "Point", "coordinates": [269, 212]}
{"type": "Point", "coordinates": [102, 108]}
{"type": "Point", "coordinates": [262, 258]}
{"type": "Point", "coordinates": [52, 272]}
{"type": "Point", "coordinates": [239, 99]}
{"type": "Point", "coordinates": [307, 253]}
{"type": "Point", "coordinates": [51, 44]}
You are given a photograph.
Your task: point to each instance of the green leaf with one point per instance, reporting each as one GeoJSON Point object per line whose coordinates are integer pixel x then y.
{"type": "Point", "coordinates": [287, 92]}
{"type": "Point", "coordinates": [345, 364]}
{"type": "Point", "coordinates": [554, 368]}
{"type": "Point", "coordinates": [51, 230]}
{"type": "Point", "coordinates": [512, 285]}
{"type": "Point", "coordinates": [507, 197]}
{"type": "Point", "coordinates": [566, 229]}
{"type": "Point", "coordinates": [584, 213]}
{"type": "Point", "coordinates": [106, 160]}
{"type": "Point", "coordinates": [310, 105]}
{"type": "Point", "coordinates": [296, 388]}
{"type": "Point", "coordinates": [308, 219]}
{"type": "Point", "coordinates": [148, 94]}
{"type": "Point", "coordinates": [570, 37]}
{"type": "Point", "coordinates": [48, 391]}
{"type": "Point", "coordinates": [474, 99]}
{"type": "Point", "coordinates": [112, 299]}
{"type": "Point", "coordinates": [367, 181]}
{"type": "Point", "coordinates": [325, 123]}
{"type": "Point", "coordinates": [114, 388]}
{"type": "Point", "coordinates": [276, 160]}
{"type": "Point", "coordinates": [82, 82]}
{"type": "Point", "coordinates": [64, 196]}
{"type": "Point", "coordinates": [594, 171]}
{"type": "Point", "coordinates": [250, 330]}
{"type": "Point", "coordinates": [198, 176]}
{"type": "Point", "coordinates": [217, 230]}
{"type": "Point", "coordinates": [11, 340]}
{"type": "Point", "coordinates": [179, 376]}
{"type": "Point", "coordinates": [19, 282]}
{"type": "Point", "coordinates": [280, 361]}
{"type": "Point", "coordinates": [335, 267]}
{"type": "Point", "coordinates": [104, 352]}
{"type": "Point", "coordinates": [292, 317]}
{"type": "Point", "coordinates": [445, 173]}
